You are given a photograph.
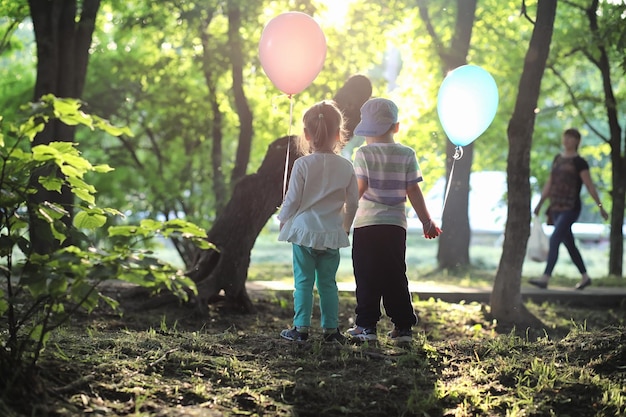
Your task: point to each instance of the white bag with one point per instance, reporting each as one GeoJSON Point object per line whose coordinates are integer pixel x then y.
{"type": "Point", "coordinates": [538, 244]}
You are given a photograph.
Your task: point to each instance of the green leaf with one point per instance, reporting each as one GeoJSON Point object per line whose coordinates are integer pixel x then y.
{"type": "Point", "coordinates": [78, 118]}
{"type": "Point", "coordinates": [103, 168]}
{"type": "Point", "coordinates": [107, 127]}
{"type": "Point", "coordinates": [123, 231]}
{"type": "Point", "coordinates": [77, 162]}
{"type": "Point", "coordinates": [6, 245]}
{"type": "Point", "coordinates": [58, 308]}
{"type": "Point", "coordinates": [114, 304]}
{"type": "Point", "coordinates": [151, 225]}
{"type": "Point", "coordinates": [45, 153]}
{"type": "Point", "coordinates": [34, 283]}
{"type": "Point", "coordinates": [51, 212]}
{"type": "Point", "coordinates": [51, 183]}
{"type": "Point", "coordinates": [84, 195]}
{"type": "Point", "coordinates": [86, 220]}
{"type": "Point", "coordinates": [83, 292]}
{"type": "Point", "coordinates": [57, 286]}
{"type": "Point", "coordinates": [64, 148]}
{"type": "Point", "coordinates": [4, 305]}
{"type": "Point", "coordinates": [78, 183]}
{"type": "Point", "coordinates": [23, 244]}
{"type": "Point", "coordinates": [70, 171]}
{"type": "Point", "coordinates": [32, 126]}
{"type": "Point", "coordinates": [139, 277]}
{"type": "Point", "coordinates": [36, 332]}
{"type": "Point", "coordinates": [113, 212]}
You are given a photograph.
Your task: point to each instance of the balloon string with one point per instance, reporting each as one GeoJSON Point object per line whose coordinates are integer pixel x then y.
{"type": "Point", "coordinates": [288, 147]}
{"type": "Point", "coordinates": [458, 154]}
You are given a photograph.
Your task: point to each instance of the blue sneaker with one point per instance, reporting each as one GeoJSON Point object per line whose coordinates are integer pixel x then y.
{"type": "Point", "coordinates": [362, 334]}
{"type": "Point", "coordinates": [294, 335]}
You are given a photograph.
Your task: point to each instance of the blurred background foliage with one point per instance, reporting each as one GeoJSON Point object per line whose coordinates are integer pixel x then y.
{"type": "Point", "coordinates": [164, 70]}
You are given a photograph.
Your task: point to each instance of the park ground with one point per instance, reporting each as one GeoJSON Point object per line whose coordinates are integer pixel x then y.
{"type": "Point", "coordinates": [171, 361]}
{"type": "Point", "coordinates": [174, 361]}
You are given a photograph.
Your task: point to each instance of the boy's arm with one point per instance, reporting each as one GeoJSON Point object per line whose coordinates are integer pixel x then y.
{"type": "Point", "coordinates": [362, 186]}
{"type": "Point", "coordinates": [414, 192]}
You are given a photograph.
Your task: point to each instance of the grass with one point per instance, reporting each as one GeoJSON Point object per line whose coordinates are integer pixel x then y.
{"type": "Point", "coordinates": [170, 362]}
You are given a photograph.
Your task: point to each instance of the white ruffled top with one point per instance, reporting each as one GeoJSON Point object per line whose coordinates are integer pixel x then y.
{"type": "Point", "coordinates": [320, 203]}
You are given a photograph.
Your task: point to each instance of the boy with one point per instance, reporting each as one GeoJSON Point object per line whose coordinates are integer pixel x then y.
{"type": "Point", "coordinates": [387, 173]}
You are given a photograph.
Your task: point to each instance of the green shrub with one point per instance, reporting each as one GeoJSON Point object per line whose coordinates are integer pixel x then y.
{"type": "Point", "coordinates": [39, 292]}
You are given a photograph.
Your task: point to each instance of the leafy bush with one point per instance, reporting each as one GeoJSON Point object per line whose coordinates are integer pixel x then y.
{"type": "Point", "coordinates": [39, 292]}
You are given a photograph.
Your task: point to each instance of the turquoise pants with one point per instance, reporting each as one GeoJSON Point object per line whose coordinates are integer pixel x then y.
{"type": "Point", "coordinates": [310, 267]}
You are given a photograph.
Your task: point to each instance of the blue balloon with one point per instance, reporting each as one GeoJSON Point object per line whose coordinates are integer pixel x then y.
{"type": "Point", "coordinates": [467, 103]}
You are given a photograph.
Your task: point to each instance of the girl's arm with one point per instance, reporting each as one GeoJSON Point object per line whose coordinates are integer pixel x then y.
{"type": "Point", "coordinates": [293, 197]}
{"type": "Point", "coordinates": [351, 205]}
{"type": "Point", "coordinates": [586, 177]}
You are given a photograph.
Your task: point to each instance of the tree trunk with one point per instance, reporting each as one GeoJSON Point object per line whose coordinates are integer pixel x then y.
{"type": "Point", "coordinates": [217, 118]}
{"type": "Point", "coordinates": [241, 103]}
{"type": "Point", "coordinates": [506, 299]}
{"type": "Point", "coordinates": [62, 56]}
{"type": "Point", "coordinates": [453, 249]}
{"type": "Point", "coordinates": [618, 195]}
{"type": "Point", "coordinates": [618, 158]}
{"type": "Point", "coordinates": [255, 198]}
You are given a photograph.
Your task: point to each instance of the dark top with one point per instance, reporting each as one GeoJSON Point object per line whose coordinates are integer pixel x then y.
{"type": "Point", "coordinates": [566, 182]}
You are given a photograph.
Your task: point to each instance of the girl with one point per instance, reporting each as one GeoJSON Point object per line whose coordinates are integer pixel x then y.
{"type": "Point", "coordinates": [316, 216]}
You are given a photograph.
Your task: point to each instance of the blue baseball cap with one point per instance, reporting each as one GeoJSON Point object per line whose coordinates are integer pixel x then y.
{"type": "Point", "coordinates": [377, 117]}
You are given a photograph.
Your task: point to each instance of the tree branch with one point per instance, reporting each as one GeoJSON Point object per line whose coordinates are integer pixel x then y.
{"type": "Point", "coordinates": [576, 103]}
{"type": "Point", "coordinates": [439, 46]}
{"type": "Point", "coordinates": [524, 12]}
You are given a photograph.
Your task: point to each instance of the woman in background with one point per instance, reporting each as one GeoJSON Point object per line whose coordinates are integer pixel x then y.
{"type": "Point", "coordinates": [569, 172]}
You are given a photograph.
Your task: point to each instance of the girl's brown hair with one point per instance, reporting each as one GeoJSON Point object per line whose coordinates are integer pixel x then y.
{"type": "Point", "coordinates": [322, 122]}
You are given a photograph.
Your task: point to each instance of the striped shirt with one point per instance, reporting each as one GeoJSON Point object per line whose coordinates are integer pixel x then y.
{"type": "Point", "coordinates": [388, 169]}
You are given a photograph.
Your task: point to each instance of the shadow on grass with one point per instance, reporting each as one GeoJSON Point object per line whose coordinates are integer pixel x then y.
{"type": "Point", "coordinates": [172, 362]}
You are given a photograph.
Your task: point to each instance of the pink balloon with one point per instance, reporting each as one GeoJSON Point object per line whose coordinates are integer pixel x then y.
{"type": "Point", "coordinates": [292, 51]}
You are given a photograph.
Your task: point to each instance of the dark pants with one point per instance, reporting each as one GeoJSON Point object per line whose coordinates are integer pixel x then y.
{"type": "Point", "coordinates": [562, 233]}
{"type": "Point", "coordinates": [378, 259]}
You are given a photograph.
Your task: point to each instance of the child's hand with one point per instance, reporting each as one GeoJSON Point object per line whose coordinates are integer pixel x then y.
{"type": "Point", "coordinates": [431, 230]}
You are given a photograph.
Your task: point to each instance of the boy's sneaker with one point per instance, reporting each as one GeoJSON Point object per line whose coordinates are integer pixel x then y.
{"type": "Point", "coordinates": [294, 335]}
{"type": "Point", "coordinates": [400, 335]}
{"type": "Point", "coordinates": [362, 334]}
{"type": "Point", "coordinates": [334, 337]}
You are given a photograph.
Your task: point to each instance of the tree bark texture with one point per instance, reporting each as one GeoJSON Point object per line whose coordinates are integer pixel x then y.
{"type": "Point", "coordinates": [506, 299]}
{"type": "Point", "coordinates": [62, 57]}
{"type": "Point", "coordinates": [255, 198]}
